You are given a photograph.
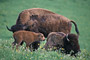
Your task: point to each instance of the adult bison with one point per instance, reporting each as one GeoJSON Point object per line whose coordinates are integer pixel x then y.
{"type": "Point", "coordinates": [43, 21]}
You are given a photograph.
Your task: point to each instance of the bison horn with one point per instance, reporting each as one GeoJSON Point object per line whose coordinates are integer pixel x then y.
{"type": "Point", "coordinates": [8, 28]}
{"type": "Point", "coordinates": [67, 38]}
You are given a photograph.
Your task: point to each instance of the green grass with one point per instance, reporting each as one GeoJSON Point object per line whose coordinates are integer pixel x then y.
{"type": "Point", "coordinates": [77, 10]}
{"type": "Point", "coordinates": [6, 53]}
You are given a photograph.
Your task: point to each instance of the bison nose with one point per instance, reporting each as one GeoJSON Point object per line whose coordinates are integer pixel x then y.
{"type": "Point", "coordinates": [43, 38]}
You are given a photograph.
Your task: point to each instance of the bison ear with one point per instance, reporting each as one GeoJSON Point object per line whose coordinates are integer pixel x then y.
{"type": "Point", "coordinates": [39, 34]}
{"type": "Point", "coordinates": [67, 38]}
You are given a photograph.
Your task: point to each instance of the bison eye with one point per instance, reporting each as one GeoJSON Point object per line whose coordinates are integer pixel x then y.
{"type": "Point", "coordinates": [41, 36]}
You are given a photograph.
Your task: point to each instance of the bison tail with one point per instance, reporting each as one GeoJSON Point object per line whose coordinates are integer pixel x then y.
{"type": "Point", "coordinates": [75, 26]}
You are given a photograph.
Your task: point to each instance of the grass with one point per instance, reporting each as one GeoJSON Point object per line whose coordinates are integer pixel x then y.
{"type": "Point", "coordinates": [77, 10]}
{"type": "Point", "coordinates": [6, 53]}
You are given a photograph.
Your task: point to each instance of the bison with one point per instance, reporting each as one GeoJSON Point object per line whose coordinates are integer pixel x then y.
{"type": "Point", "coordinates": [59, 40]}
{"type": "Point", "coordinates": [43, 21]}
{"type": "Point", "coordinates": [26, 36]}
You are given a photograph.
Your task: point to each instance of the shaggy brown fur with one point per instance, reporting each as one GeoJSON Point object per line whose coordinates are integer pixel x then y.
{"type": "Point", "coordinates": [43, 21]}
{"type": "Point", "coordinates": [27, 37]}
{"type": "Point", "coordinates": [31, 14]}
{"type": "Point", "coordinates": [54, 38]}
{"type": "Point", "coordinates": [57, 40]}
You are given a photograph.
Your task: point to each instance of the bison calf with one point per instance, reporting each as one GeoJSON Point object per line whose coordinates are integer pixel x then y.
{"type": "Point", "coordinates": [57, 40]}
{"type": "Point", "coordinates": [27, 37]}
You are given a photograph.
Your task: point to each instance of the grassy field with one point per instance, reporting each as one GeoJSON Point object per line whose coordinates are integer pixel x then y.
{"type": "Point", "coordinates": [77, 10]}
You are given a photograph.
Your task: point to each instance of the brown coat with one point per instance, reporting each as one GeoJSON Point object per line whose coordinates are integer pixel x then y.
{"type": "Point", "coordinates": [43, 21]}
{"type": "Point", "coordinates": [31, 14]}
{"type": "Point", "coordinates": [57, 40]}
{"type": "Point", "coordinates": [27, 37]}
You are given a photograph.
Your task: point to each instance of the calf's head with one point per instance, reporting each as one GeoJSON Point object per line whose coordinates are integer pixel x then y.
{"type": "Point", "coordinates": [41, 37]}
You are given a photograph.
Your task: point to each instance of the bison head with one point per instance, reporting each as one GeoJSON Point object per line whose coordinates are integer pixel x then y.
{"type": "Point", "coordinates": [71, 43]}
{"type": "Point", "coordinates": [41, 37]}
{"type": "Point", "coordinates": [15, 28]}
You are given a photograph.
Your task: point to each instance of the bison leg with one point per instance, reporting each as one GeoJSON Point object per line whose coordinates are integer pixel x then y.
{"type": "Point", "coordinates": [27, 46]}
{"type": "Point", "coordinates": [73, 54]}
{"type": "Point", "coordinates": [31, 48]}
{"type": "Point", "coordinates": [45, 46]}
{"type": "Point", "coordinates": [18, 44]}
{"type": "Point", "coordinates": [13, 44]}
{"type": "Point", "coordinates": [21, 43]}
